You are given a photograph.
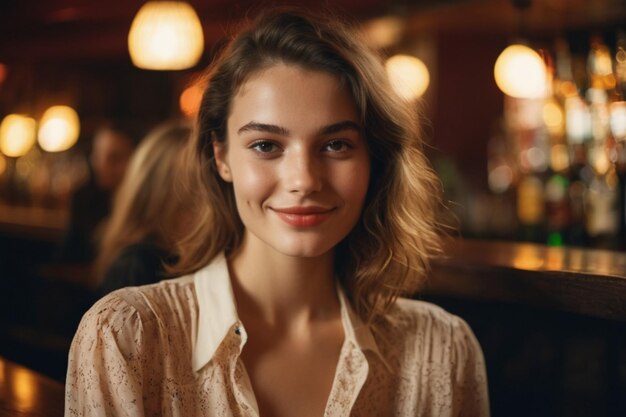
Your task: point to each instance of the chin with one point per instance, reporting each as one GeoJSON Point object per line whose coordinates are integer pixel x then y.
{"type": "Point", "coordinates": [304, 249]}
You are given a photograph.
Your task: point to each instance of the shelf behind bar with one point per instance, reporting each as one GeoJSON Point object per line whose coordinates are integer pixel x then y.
{"type": "Point", "coordinates": [33, 222]}
{"type": "Point", "coordinates": [589, 282]}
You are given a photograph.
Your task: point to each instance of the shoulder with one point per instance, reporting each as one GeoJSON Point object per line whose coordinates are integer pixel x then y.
{"type": "Point", "coordinates": [437, 358]}
{"type": "Point", "coordinates": [135, 309]}
{"type": "Point", "coordinates": [429, 331]}
{"type": "Point", "coordinates": [157, 299]}
{"type": "Point", "coordinates": [423, 314]}
{"type": "Point", "coordinates": [127, 344]}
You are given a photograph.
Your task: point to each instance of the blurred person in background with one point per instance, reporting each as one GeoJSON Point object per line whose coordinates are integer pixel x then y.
{"type": "Point", "coordinates": [112, 147]}
{"type": "Point", "coordinates": [148, 213]}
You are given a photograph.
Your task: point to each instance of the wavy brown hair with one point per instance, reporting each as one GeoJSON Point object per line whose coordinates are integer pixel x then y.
{"type": "Point", "coordinates": [148, 205]}
{"type": "Point", "coordinates": [387, 253]}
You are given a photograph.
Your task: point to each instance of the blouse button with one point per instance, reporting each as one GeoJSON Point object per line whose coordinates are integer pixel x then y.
{"type": "Point", "coordinates": [237, 331]}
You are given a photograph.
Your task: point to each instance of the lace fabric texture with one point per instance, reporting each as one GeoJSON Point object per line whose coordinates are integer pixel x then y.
{"type": "Point", "coordinates": [132, 356]}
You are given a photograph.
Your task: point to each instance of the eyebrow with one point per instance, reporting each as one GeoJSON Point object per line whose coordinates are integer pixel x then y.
{"type": "Point", "coordinates": [263, 127]}
{"type": "Point", "coordinates": [339, 127]}
{"type": "Point", "coordinates": [279, 130]}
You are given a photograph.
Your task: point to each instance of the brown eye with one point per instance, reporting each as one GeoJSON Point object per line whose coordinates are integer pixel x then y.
{"type": "Point", "coordinates": [337, 146]}
{"type": "Point", "coordinates": [264, 147]}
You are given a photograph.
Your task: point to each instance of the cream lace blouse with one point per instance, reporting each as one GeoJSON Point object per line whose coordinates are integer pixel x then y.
{"type": "Point", "coordinates": [172, 349]}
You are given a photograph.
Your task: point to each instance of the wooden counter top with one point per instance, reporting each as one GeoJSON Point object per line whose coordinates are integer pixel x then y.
{"type": "Point", "coordinates": [26, 393]}
{"type": "Point", "coordinates": [585, 281]}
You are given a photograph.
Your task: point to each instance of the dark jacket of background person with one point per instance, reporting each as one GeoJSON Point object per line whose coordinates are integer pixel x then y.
{"type": "Point", "coordinates": [148, 213]}
{"type": "Point", "coordinates": [89, 207]}
{"type": "Point", "coordinates": [138, 264]}
{"type": "Point", "coordinates": [91, 203]}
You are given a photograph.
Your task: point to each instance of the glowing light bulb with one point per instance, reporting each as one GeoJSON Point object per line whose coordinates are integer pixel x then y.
{"type": "Point", "coordinates": [166, 35]}
{"type": "Point", "coordinates": [17, 135]}
{"type": "Point", "coordinates": [520, 72]}
{"type": "Point", "coordinates": [59, 129]}
{"type": "Point", "coordinates": [408, 76]}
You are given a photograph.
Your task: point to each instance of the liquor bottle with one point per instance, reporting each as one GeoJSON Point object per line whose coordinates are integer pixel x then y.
{"type": "Point", "coordinates": [530, 208]}
{"type": "Point", "coordinates": [602, 201]}
{"type": "Point", "coordinates": [600, 65]}
{"type": "Point", "coordinates": [557, 183]}
{"type": "Point", "coordinates": [501, 176]}
{"type": "Point", "coordinates": [578, 130]}
{"type": "Point", "coordinates": [617, 121]}
{"type": "Point", "coordinates": [557, 209]}
{"type": "Point", "coordinates": [620, 170]}
{"type": "Point", "coordinates": [531, 214]}
{"type": "Point", "coordinates": [602, 210]}
{"type": "Point", "coordinates": [620, 64]}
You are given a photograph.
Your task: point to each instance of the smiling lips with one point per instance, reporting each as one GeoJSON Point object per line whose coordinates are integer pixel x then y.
{"type": "Point", "coordinates": [303, 216]}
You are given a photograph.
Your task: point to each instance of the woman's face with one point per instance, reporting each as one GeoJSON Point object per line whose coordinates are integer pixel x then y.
{"type": "Point", "coordinates": [297, 160]}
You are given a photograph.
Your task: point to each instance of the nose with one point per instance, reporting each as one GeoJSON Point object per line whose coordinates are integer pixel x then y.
{"type": "Point", "coordinates": [304, 173]}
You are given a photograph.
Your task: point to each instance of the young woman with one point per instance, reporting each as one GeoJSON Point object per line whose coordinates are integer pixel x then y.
{"type": "Point", "coordinates": [139, 240]}
{"type": "Point", "coordinates": [317, 213]}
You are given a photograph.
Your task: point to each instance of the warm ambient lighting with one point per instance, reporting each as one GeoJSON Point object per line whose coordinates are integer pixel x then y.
{"type": "Point", "coordinates": [25, 389]}
{"type": "Point", "coordinates": [190, 100]}
{"type": "Point", "coordinates": [553, 118]}
{"type": "Point", "coordinates": [520, 72]}
{"type": "Point", "coordinates": [577, 120]}
{"type": "Point", "coordinates": [3, 73]}
{"type": "Point", "coordinates": [59, 129]}
{"type": "Point", "coordinates": [17, 135]}
{"type": "Point", "coordinates": [408, 75]}
{"type": "Point", "coordinates": [618, 120]}
{"type": "Point", "coordinates": [166, 35]}
{"type": "Point", "coordinates": [384, 32]}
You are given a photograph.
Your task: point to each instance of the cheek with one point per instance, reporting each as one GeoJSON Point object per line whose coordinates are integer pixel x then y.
{"type": "Point", "coordinates": [354, 185]}
{"type": "Point", "coordinates": [252, 182]}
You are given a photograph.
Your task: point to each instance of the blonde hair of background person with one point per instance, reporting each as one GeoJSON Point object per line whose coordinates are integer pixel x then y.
{"type": "Point", "coordinates": [148, 204]}
{"type": "Point", "coordinates": [315, 210]}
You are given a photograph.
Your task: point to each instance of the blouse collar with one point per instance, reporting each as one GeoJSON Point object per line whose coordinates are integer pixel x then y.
{"type": "Point", "coordinates": [218, 314]}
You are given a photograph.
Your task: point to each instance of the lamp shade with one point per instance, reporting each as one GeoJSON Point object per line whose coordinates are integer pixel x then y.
{"type": "Point", "coordinates": [17, 134]}
{"type": "Point", "coordinates": [58, 129]}
{"type": "Point", "coordinates": [166, 35]}
{"type": "Point", "coordinates": [520, 72]}
{"type": "Point", "coordinates": [408, 76]}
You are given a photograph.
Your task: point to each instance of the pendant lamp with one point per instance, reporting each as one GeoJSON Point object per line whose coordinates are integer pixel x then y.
{"type": "Point", "coordinates": [408, 76]}
{"type": "Point", "coordinates": [519, 71]}
{"type": "Point", "coordinates": [17, 135]}
{"type": "Point", "coordinates": [166, 35]}
{"type": "Point", "coordinates": [59, 129]}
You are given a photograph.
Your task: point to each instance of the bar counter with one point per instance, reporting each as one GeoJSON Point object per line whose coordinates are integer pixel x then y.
{"type": "Point", "coordinates": [590, 282]}
{"type": "Point", "coordinates": [551, 322]}
{"type": "Point", "coordinates": [26, 393]}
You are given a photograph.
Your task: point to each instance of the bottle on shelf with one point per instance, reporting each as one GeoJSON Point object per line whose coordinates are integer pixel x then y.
{"type": "Point", "coordinates": [602, 198]}
{"type": "Point", "coordinates": [557, 205]}
{"type": "Point", "coordinates": [531, 213]}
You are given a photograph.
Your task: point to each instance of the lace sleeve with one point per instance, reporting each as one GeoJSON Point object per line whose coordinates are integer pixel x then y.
{"type": "Point", "coordinates": [104, 371]}
{"type": "Point", "coordinates": [471, 398]}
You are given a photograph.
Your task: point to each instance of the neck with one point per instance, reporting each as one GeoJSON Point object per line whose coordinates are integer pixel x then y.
{"type": "Point", "coordinates": [282, 290]}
